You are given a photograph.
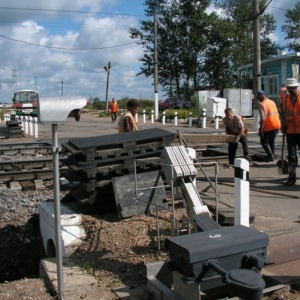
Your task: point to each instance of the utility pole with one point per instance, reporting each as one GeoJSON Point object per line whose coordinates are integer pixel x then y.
{"type": "Point", "coordinates": [256, 60]}
{"type": "Point", "coordinates": [107, 69]}
{"type": "Point", "coordinates": [62, 87]}
{"type": "Point", "coordinates": [155, 67]}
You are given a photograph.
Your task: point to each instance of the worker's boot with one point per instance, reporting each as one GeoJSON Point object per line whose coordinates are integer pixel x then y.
{"type": "Point", "coordinates": [270, 156]}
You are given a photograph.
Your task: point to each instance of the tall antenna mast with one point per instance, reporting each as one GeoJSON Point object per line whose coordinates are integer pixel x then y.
{"type": "Point", "coordinates": [14, 79]}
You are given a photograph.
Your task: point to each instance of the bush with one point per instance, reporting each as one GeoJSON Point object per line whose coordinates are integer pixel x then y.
{"type": "Point", "coordinates": [181, 113]}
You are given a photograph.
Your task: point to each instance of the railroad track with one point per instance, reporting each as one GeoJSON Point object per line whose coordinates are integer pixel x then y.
{"type": "Point", "coordinates": [26, 161]}
{"type": "Point", "coordinates": [27, 170]}
{"type": "Point", "coordinates": [26, 148]}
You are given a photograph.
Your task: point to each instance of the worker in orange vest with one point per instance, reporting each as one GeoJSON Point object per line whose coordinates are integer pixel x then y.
{"type": "Point", "coordinates": [269, 124]}
{"type": "Point", "coordinates": [290, 119]}
{"type": "Point", "coordinates": [114, 108]}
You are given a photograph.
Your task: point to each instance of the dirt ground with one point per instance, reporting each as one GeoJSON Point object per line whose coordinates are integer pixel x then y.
{"type": "Point", "coordinates": [115, 251]}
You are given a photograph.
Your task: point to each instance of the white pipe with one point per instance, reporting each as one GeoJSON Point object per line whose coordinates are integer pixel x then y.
{"type": "Point", "coordinates": [144, 116]}
{"type": "Point", "coordinates": [31, 126]}
{"type": "Point", "coordinates": [190, 119]}
{"type": "Point", "coordinates": [36, 127]}
{"type": "Point", "coordinates": [164, 118]}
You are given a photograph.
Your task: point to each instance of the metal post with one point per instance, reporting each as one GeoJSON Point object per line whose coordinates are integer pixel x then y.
{"type": "Point", "coordinates": [155, 67]}
{"type": "Point", "coordinates": [57, 218]}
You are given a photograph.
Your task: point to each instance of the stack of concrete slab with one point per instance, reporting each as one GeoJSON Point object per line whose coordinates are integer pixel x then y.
{"type": "Point", "coordinates": [14, 129]}
{"type": "Point", "coordinates": [94, 161]}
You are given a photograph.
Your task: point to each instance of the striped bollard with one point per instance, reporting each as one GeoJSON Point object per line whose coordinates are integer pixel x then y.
{"type": "Point", "coordinates": [241, 192]}
{"type": "Point", "coordinates": [203, 118]}
{"type": "Point", "coordinates": [144, 116]}
{"type": "Point", "coordinates": [23, 123]}
{"type": "Point", "coordinates": [36, 127]}
{"type": "Point", "coordinates": [152, 116]}
{"type": "Point", "coordinates": [190, 119]}
{"type": "Point", "coordinates": [175, 118]}
{"type": "Point", "coordinates": [164, 118]}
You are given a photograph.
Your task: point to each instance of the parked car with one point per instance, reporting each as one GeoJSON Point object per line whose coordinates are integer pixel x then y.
{"type": "Point", "coordinates": [174, 103]}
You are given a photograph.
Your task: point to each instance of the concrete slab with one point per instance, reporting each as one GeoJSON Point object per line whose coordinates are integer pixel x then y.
{"type": "Point", "coordinates": [284, 248]}
{"type": "Point", "coordinates": [285, 273]}
{"type": "Point", "coordinates": [15, 186]}
{"type": "Point", "coordinates": [27, 185]}
{"type": "Point", "coordinates": [72, 232]}
{"type": "Point", "coordinates": [39, 184]}
{"type": "Point", "coordinates": [77, 282]}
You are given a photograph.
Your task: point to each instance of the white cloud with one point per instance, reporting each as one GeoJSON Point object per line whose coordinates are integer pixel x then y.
{"type": "Point", "coordinates": [80, 70]}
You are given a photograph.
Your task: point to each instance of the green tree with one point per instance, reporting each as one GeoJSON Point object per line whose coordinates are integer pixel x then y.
{"type": "Point", "coordinates": [292, 27]}
{"type": "Point", "coordinates": [197, 48]}
{"type": "Point", "coordinates": [181, 29]}
{"type": "Point", "coordinates": [240, 14]}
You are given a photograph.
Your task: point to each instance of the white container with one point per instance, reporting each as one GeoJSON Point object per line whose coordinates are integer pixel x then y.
{"type": "Point", "coordinates": [204, 95]}
{"type": "Point", "coordinates": [240, 100]}
{"type": "Point", "coordinates": [215, 106]}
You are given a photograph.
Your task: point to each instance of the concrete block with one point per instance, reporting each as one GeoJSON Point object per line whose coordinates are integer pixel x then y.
{"type": "Point", "coordinates": [15, 186]}
{"type": "Point", "coordinates": [27, 185]}
{"type": "Point", "coordinates": [39, 184]}
{"type": "Point", "coordinates": [72, 232]}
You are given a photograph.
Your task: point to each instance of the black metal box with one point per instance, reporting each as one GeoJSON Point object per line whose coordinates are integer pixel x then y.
{"type": "Point", "coordinates": [229, 247]}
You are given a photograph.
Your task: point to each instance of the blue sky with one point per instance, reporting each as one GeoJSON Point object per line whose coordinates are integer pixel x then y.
{"type": "Point", "coordinates": [67, 28]}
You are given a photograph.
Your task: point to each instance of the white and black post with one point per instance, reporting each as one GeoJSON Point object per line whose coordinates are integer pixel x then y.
{"type": "Point", "coordinates": [241, 192]}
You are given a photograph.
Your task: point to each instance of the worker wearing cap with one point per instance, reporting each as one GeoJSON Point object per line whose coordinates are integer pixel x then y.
{"type": "Point", "coordinates": [290, 119]}
{"type": "Point", "coordinates": [269, 124]}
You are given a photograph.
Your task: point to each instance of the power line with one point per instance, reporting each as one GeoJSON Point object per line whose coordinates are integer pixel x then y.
{"type": "Point", "coordinates": [63, 48]}
{"type": "Point", "coordinates": [68, 11]}
{"type": "Point", "coordinates": [121, 74]}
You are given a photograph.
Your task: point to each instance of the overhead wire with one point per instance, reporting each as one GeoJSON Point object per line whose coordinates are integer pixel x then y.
{"type": "Point", "coordinates": [63, 48]}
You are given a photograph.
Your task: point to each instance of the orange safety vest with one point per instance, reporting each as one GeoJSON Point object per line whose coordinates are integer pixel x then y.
{"type": "Point", "coordinates": [271, 115]}
{"type": "Point", "coordinates": [114, 107]}
{"type": "Point", "coordinates": [291, 114]}
{"type": "Point", "coordinates": [120, 123]}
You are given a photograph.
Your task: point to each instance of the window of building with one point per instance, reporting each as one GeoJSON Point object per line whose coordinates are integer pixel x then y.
{"type": "Point", "coordinates": [271, 85]}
